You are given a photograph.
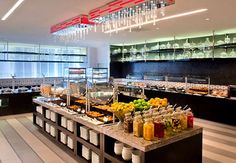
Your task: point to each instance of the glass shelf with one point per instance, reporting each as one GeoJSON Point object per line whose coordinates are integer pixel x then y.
{"type": "Point", "coordinates": [208, 47]}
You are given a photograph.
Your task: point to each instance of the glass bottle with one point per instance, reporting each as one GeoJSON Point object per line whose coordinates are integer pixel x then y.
{"type": "Point", "coordinates": [227, 39]}
{"type": "Point", "coordinates": [148, 129]}
{"type": "Point", "coordinates": [128, 123]}
{"type": "Point", "coordinates": [138, 126]}
{"type": "Point", "coordinates": [159, 127]}
{"type": "Point", "coordinates": [190, 118]}
{"type": "Point", "coordinates": [183, 120]}
{"type": "Point", "coordinates": [176, 125]}
{"type": "Point", "coordinates": [168, 125]}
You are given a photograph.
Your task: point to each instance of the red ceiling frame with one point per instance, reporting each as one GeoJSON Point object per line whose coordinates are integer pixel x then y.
{"type": "Point", "coordinates": [81, 19]}
{"type": "Point", "coordinates": [109, 8]}
{"type": "Point", "coordinates": [117, 5]}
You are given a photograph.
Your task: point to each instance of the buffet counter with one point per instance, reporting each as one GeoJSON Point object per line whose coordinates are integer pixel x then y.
{"type": "Point", "coordinates": [214, 108]}
{"type": "Point", "coordinates": [185, 146]}
{"type": "Point", "coordinates": [16, 103]}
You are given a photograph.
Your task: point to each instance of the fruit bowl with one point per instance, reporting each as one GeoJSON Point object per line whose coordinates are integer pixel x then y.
{"type": "Point", "coordinates": [120, 109]}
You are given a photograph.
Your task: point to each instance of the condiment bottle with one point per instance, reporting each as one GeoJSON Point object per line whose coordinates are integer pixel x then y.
{"type": "Point", "coordinates": [159, 127]}
{"type": "Point", "coordinates": [148, 129]}
{"type": "Point", "coordinates": [190, 118]}
{"type": "Point", "coordinates": [183, 120]}
{"type": "Point", "coordinates": [128, 123]}
{"type": "Point", "coordinates": [138, 126]}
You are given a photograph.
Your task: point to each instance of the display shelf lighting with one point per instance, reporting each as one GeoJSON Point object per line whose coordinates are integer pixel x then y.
{"type": "Point", "coordinates": [14, 7]}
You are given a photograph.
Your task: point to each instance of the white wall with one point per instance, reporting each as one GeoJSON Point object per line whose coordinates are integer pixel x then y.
{"type": "Point", "coordinates": [99, 56]}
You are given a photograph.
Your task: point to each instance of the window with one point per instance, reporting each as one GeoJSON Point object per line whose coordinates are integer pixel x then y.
{"type": "Point", "coordinates": [32, 60]}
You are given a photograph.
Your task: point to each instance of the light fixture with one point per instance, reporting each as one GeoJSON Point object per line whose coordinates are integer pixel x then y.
{"type": "Point", "coordinates": [156, 20]}
{"type": "Point", "coordinates": [114, 16]}
{"type": "Point", "coordinates": [73, 29]}
{"type": "Point", "coordinates": [14, 7]}
{"type": "Point", "coordinates": [121, 13]}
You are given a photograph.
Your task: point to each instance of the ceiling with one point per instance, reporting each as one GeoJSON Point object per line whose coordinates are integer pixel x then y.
{"type": "Point", "coordinates": [31, 22]}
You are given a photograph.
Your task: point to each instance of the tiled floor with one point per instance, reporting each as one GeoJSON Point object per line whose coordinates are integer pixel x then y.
{"type": "Point", "coordinates": [21, 142]}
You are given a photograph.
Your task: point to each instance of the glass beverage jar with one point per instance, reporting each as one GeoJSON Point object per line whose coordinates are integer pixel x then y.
{"type": "Point", "coordinates": [190, 118]}
{"type": "Point", "coordinates": [128, 123]}
{"type": "Point", "coordinates": [168, 125]}
{"type": "Point", "coordinates": [148, 129]}
{"type": "Point", "coordinates": [159, 127]}
{"type": "Point", "coordinates": [183, 120]}
{"type": "Point", "coordinates": [176, 125]}
{"type": "Point", "coordinates": [138, 126]}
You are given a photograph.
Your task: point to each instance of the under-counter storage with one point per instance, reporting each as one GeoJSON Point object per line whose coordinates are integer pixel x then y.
{"type": "Point", "coordinates": [84, 132]}
{"type": "Point", "coordinates": [63, 138]}
{"type": "Point", "coordinates": [39, 109]}
{"type": "Point", "coordinates": [94, 137]}
{"type": "Point", "coordinates": [39, 121]}
{"type": "Point", "coordinates": [52, 131]}
{"type": "Point", "coordinates": [95, 158]}
{"type": "Point", "coordinates": [70, 142]}
{"type": "Point", "coordinates": [53, 116]}
{"type": "Point", "coordinates": [64, 122]}
{"type": "Point", "coordinates": [48, 114]}
{"type": "Point", "coordinates": [86, 152]}
{"type": "Point", "coordinates": [70, 125]}
{"type": "Point", "coordinates": [88, 145]}
{"type": "Point", "coordinates": [47, 127]}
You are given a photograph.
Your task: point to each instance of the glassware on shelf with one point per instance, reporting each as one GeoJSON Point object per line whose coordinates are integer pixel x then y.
{"type": "Point", "coordinates": [175, 45]}
{"type": "Point", "coordinates": [234, 40]}
{"type": "Point", "coordinates": [187, 45]}
{"type": "Point", "coordinates": [208, 43]}
{"type": "Point", "coordinates": [156, 47]}
{"type": "Point", "coordinates": [193, 45]}
{"type": "Point", "coordinates": [220, 42]}
{"type": "Point", "coordinates": [201, 46]}
{"type": "Point", "coordinates": [223, 54]}
{"type": "Point", "coordinates": [232, 53]}
{"type": "Point", "coordinates": [227, 39]}
{"type": "Point", "coordinates": [124, 51]}
{"type": "Point", "coordinates": [133, 50]}
{"type": "Point", "coordinates": [168, 45]}
{"type": "Point", "coordinates": [119, 50]}
{"type": "Point", "coordinates": [163, 46]}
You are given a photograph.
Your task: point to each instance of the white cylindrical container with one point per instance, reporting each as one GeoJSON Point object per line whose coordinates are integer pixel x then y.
{"type": "Point", "coordinates": [136, 156]}
{"type": "Point", "coordinates": [118, 147]}
{"type": "Point", "coordinates": [127, 153]}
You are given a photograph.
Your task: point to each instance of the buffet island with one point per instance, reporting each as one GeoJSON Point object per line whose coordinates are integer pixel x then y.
{"type": "Point", "coordinates": [91, 130]}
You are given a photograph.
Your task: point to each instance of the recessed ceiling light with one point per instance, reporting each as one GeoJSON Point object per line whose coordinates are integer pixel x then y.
{"type": "Point", "coordinates": [17, 4]}
{"type": "Point", "coordinates": [207, 19]}
{"type": "Point", "coordinates": [157, 28]}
